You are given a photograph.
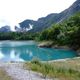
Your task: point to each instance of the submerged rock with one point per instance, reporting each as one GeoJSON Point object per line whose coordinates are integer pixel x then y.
{"type": "Point", "coordinates": [61, 47]}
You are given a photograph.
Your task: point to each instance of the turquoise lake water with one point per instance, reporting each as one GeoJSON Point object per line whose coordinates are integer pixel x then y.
{"type": "Point", "coordinates": [27, 50]}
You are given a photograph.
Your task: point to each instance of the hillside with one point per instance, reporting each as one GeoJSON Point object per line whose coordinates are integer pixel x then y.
{"type": "Point", "coordinates": [45, 22]}
{"type": "Point", "coordinates": [65, 33]}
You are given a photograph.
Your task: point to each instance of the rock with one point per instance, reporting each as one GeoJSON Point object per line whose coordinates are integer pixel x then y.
{"type": "Point", "coordinates": [78, 52]}
{"type": "Point", "coordinates": [51, 45]}
{"type": "Point", "coordinates": [45, 44]}
{"type": "Point", "coordinates": [60, 47]}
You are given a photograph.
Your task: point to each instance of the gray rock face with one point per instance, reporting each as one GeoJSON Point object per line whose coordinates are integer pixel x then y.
{"type": "Point", "coordinates": [45, 22]}
{"type": "Point", "coordinates": [5, 29]}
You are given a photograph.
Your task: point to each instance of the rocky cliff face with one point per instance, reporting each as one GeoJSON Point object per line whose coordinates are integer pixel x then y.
{"type": "Point", "coordinates": [45, 22]}
{"type": "Point", "coordinates": [5, 29]}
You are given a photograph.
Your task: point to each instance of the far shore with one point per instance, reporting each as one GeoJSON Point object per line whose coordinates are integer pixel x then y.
{"type": "Point", "coordinates": [50, 44]}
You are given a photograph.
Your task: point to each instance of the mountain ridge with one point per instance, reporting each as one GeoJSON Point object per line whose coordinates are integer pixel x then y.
{"type": "Point", "coordinates": [45, 22]}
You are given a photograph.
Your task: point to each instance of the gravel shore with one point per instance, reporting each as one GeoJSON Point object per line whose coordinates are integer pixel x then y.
{"type": "Point", "coordinates": [16, 71]}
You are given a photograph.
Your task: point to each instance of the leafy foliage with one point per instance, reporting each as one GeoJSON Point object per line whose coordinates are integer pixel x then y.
{"type": "Point", "coordinates": [57, 70]}
{"type": "Point", "coordinates": [65, 33]}
{"type": "Point", "coordinates": [16, 36]}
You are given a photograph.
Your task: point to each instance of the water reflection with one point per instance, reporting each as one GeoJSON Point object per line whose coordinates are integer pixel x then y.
{"type": "Point", "coordinates": [15, 54]}
{"type": "Point", "coordinates": [1, 55]}
{"type": "Point", "coordinates": [15, 57]}
{"type": "Point", "coordinates": [12, 56]}
{"type": "Point", "coordinates": [26, 51]}
{"type": "Point", "coordinates": [29, 53]}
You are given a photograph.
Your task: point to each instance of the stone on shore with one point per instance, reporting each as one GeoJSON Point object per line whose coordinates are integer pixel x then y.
{"type": "Point", "coordinates": [45, 44]}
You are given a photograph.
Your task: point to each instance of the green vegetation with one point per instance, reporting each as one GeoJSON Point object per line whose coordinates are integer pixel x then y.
{"type": "Point", "coordinates": [16, 36]}
{"type": "Point", "coordinates": [4, 76]}
{"type": "Point", "coordinates": [64, 33]}
{"type": "Point", "coordinates": [65, 70]}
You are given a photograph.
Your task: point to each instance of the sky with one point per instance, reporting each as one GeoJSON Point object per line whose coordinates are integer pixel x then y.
{"type": "Point", "coordinates": [13, 12]}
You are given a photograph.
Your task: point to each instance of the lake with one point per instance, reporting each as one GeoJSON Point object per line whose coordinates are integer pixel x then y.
{"type": "Point", "coordinates": [28, 50]}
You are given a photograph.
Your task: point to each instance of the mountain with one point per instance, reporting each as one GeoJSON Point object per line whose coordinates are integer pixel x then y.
{"type": "Point", "coordinates": [5, 29]}
{"type": "Point", "coordinates": [45, 22]}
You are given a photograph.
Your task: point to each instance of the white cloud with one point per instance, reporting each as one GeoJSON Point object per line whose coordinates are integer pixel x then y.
{"type": "Point", "coordinates": [14, 11]}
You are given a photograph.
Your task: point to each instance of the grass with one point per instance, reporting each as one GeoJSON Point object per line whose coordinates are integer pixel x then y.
{"type": "Point", "coordinates": [65, 70]}
{"type": "Point", "coordinates": [4, 75]}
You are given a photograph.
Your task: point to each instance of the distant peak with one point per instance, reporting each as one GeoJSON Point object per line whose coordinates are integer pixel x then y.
{"type": "Point", "coordinates": [78, 0]}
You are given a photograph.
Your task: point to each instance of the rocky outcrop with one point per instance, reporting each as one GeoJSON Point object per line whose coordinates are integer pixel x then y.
{"type": "Point", "coordinates": [78, 52]}
{"type": "Point", "coordinates": [5, 29]}
{"type": "Point", "coordinates": [52, 45]}
{"type": "Point", "coordinates": [61, 47]}
{"type": "Point", "coordinates": [45, 22]}
{"type": "Point", "coordinates": [45, 44]}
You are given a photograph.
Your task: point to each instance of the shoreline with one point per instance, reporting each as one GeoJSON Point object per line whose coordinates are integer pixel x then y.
{"type": "Point", "coordinates": [58, 60]}
{"type": "Point", "coordinates": [62, 60]}
{"type": "Point", "coordinates": [47, 44]}
{"type": "Point", "coordinates": [57, 47]}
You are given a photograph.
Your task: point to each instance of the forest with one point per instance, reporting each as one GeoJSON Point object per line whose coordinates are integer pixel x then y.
{"type": "Point", "coordinates": [63, 33]}
{"type": "Point", "coordinates": [16, 36]}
